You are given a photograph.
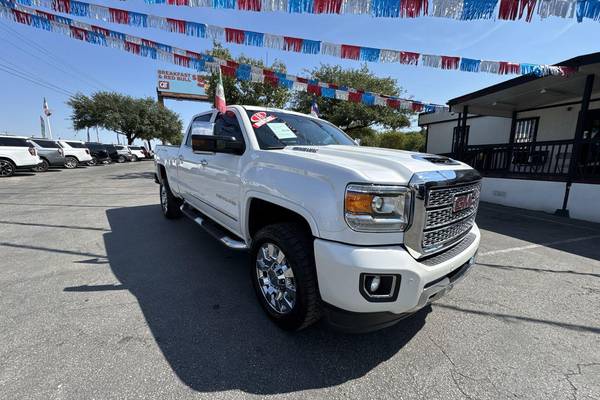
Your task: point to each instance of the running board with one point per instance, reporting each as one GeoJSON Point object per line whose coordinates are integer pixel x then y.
{"type": "Point", "coordinates": [212, 228]}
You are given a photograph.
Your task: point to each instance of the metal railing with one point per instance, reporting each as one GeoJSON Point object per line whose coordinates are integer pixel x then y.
{"type": "Point", "coordinates": [550, 160]}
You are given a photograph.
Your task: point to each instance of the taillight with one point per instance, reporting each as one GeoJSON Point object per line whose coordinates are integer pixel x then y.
{"type": "Point", "coordinates": [32, 151]}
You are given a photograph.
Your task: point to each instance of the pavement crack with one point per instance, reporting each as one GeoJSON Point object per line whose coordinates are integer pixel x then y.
{"type": "Point", "coordinates": [568, 376]}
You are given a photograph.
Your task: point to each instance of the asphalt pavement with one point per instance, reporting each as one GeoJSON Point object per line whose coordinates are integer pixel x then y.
{"type": "Point", "coordinates": [101, 297]}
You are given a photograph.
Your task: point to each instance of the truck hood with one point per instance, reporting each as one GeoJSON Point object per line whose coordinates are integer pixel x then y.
{"type": "Point", "coordinates": [375, 164]}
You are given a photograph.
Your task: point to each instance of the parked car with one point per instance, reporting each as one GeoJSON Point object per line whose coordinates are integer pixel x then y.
{"type": "Point", "coordinates": [50, 153]}
{"type": "Point", "coordinates": [16, 154]}
{"type": "Point", "coordinates": [76, 153]}
{"type": "Point", "coordinates": [138, 153]}
{"type": "Point", "coordinates": [360, 235]}
{"type": "Point", "coordinates": [123, 153]}
{"type": "Point", "coordinates": [99, 153]}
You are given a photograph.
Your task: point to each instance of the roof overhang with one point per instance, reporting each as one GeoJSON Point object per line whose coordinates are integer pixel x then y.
{"type": "Point", "coordinates": [526, 92]}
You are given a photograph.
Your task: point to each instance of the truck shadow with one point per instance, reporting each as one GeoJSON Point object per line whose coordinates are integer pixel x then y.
{"type": "Point", "coordinates": [199, 304]}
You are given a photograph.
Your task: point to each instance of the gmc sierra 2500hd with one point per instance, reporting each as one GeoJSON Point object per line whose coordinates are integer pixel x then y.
{"type": "Point", "coordinates": [363, 236]}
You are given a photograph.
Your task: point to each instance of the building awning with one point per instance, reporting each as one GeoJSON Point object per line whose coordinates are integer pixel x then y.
{"type": "Point", "coordinates": [526, 92]}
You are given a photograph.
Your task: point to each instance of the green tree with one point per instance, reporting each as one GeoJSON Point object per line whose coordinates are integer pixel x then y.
{"type": "Point", "coordinates": [412, 141]}
{"type": "Point", "coordinates": [247, 92]}
{"type": "Point", "coordinates": [84, 113]}
{"type": "Point", "coordinates": [353, 118]}
{"type": "Point", "coordinates": [135, 118]}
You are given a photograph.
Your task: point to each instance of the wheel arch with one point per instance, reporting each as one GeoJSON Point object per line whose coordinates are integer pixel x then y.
{"type": "Point", "coordinates": [263, 210]}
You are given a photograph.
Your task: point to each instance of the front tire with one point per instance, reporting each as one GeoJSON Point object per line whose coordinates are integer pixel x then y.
{"type": "Point", "coordinates": [71, 162]}
{"type": "Point", "coordinates": [284, 275]}
{"type": "Point", "coordinates": [93, 161]}
{"type": "Point", "coordinates": [134, 158]}
{"type": "Point", "coordinates": [121, 159]}
{"type": "Point", "coordinates": [42, 167]}
{"type": "Point", "coordinates": [169, 203]}
{"type": "Point", "coordinates": [7, 168]}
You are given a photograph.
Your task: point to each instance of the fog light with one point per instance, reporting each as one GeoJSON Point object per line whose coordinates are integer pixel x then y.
{"type": "Point", "coordinates": [374, 284]}
{"type": "Point", "coordinates": [379, 287]}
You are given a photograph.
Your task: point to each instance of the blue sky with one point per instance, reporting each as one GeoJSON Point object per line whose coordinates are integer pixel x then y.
{"type": "Point", "coordinates": [547, 41]}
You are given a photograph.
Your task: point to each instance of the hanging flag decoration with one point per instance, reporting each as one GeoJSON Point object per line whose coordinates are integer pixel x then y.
{"type": "Point", "coordinates": [200, 62]}
{"type": "Point", "coordinates": [456, 9]}
{"type": "Point", "coordinates": [299, 45]}
{"type": "Point", "coordinates": [314, 107]}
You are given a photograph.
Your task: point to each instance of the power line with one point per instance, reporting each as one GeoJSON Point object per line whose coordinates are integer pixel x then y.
{"type": "Point", "coordinates": [58, 63]}
{"type": "Point", "coordinates": [16, 73]}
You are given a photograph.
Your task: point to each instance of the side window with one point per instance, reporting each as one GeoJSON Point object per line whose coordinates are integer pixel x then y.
{"type": "Point", "coordinates": [228, 125]}
{"type": "Point", "coordinates": [200, 121]}
{"type": "Point", "coordinates": [13, 142]}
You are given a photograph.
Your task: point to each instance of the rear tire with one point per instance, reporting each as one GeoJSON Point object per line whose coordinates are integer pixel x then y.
{"type": "Point", "coordinates": [71, 162]}
{"type": "Point", "coordinates": [7, 168]}
{"type": "Point", "coordinates": [300, 284]}
{"type": "Point", "coordinates": [42, 167]}
{"type": "Point", "coordinates": [169, 203]}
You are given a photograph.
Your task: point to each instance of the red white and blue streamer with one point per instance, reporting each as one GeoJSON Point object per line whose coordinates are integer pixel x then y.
{"type": "Point", "coordinates": [199, 61]}
{"type": "Point", "coordinates": [465, 10]}
{"type": "Point", "coordinates": [294, 44]}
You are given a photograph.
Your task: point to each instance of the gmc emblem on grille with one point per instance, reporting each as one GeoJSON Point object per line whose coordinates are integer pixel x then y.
{"type": "Point", "coordinates": [463, 201]}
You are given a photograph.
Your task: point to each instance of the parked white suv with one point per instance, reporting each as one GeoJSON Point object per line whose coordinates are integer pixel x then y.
{"type": "Point", "coordinates": [76, 152]}
{"type": "Point", "coordinates": [16, 153]}
{"type": "Point", "coordinates": [361, 235]}
{"type": "Point", "coordinates": [137, 153]}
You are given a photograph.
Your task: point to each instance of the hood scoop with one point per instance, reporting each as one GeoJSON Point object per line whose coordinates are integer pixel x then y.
{"type": "Point", "coordinates": [435, 159]}
{"type": "Point", "coordinates": [306, 149]}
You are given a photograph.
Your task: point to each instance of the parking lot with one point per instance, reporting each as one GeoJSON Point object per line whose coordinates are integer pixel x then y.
{"type": "Point", "coordinates": [102, 297]}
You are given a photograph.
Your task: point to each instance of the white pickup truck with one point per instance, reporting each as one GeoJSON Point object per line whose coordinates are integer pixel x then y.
{"type": "Point", "coordinates": [362, 236]}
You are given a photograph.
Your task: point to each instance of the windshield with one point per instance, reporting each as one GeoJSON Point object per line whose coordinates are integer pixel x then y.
{"type": "Point", "coordinates": [76, 145]}
{"type": "Point", "coordinates": [275, 130]}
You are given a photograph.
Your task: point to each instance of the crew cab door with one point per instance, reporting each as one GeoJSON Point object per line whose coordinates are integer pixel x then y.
{"type": "Point", "coordinates": [190, 164]}
{"type": "Point", "coordinates": [221, 175]}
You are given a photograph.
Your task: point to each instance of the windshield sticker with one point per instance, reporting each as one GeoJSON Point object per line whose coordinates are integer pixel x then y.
{"type": "Point", "coordinates": [260, 118]}
{"type": "Point", "coordinates": [282, 131]}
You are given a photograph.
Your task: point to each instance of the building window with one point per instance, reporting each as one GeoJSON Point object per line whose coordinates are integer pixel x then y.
{"type": "Point", "coordinates": [526, 130]}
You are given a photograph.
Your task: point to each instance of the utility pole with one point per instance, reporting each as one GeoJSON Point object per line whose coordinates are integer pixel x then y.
{"type": "Point", "coordinates": [88, 134]}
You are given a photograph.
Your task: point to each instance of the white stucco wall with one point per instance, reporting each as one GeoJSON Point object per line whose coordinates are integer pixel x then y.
{"type": "Point", "coordinates": [483, 130]}
{"type": "Point", "coordinates": [439, 137]}
{"type": "Point", "coordinates": [531, 195]}
{"type": "Point", "coordinates": [584, 199]}
{"type": "Point", "coordinates": [584, 202]}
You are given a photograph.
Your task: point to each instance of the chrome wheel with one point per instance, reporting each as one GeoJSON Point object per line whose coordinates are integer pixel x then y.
{"type": "Point", "coordinates": [164, 200]}
{"type": "Point", "coordinates": [275, 278]}
{"type": "Point", "coordinates": [6, 168]}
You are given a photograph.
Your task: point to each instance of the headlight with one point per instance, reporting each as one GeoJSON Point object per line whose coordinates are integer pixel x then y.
{"type": "Point", "coordinates": [377, 208]}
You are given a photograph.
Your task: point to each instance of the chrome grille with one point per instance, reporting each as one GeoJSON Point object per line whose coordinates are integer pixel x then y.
{"type": "Point", "coordinates": [435, 227]}
{"type": "Point", "coordinates": [443, 216]}
{"type": "Point", "coordinates": [444, 196]}
{"type": "Point", "coordinates": [442, 236]}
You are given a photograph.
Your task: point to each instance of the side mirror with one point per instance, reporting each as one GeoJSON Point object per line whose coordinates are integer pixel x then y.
{"type": "Point", "coordinates": [217, 144]}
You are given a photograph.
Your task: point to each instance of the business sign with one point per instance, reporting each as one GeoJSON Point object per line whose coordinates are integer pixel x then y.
{"type": "Point", "coordinates": [180, 84]}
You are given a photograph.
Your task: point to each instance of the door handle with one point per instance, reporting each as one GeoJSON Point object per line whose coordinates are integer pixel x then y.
{"type": "Point", "coordinates": [204, 163]}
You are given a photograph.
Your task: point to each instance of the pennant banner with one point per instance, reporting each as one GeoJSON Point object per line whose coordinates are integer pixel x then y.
{"type": "Point", "coordinates": [300, 45]}
{"type": "Point", "coordinates": [457, 9]}
{"type": "Point", "coordinates": [200, 62]}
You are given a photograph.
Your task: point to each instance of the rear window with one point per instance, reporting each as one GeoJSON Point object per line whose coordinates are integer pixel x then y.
{"type": "Point", "coordinates": [13, 142]}
{"type": "Point", "coordinates": [47, 144]}
{"type": "Point", "coordinates": [76, 145]}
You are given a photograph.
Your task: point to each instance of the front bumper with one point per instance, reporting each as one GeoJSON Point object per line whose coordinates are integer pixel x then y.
{"type": "Point", "coordinates": [339, 267]}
